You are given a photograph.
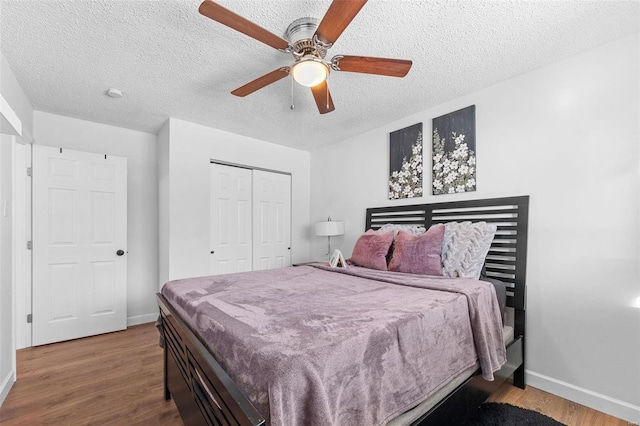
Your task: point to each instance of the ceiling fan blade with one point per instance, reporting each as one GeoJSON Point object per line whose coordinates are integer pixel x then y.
{"type": "Point", "coordinates": [371, 65]}
{"type": "Point", "coordinates": [213, 10]}
{"type": "Point", "coordinates": [261, 82]}
{"type": "Point", "coordinates": [323, 97]}
{"type": "Point", "coordinates": [337, 18]}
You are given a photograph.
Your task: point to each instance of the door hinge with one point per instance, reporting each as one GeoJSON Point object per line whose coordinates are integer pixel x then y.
{"type": "Point", "coordinates": [29, 245]}
{"type": "Point", "coordinates": [29, 318]}
{"type": "Point", "coordinates": [29, 171]}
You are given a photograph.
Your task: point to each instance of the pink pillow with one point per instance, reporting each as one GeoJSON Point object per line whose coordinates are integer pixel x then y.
{"type": "Point", "coordinates": [418, 255]}
{"type": "Point", "coordinates": [371, 250]}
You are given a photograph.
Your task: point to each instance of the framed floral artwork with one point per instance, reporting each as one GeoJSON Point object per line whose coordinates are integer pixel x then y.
{"type": "Point", "coordinates": [405, 162]}
{"type": "Point", "coordinates": [454, 152]}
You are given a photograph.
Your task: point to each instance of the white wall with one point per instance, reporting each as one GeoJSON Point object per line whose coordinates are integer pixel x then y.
{"type": "Point", "coordinates": [188, 151]}
{"type": "Point", "coordinates": [142, 198]}
{"type": "Point", "coordinates": [19, 103]}
{"type": "Point", "coordinates": [567, 135]}
{"type": "Point", "coordinates": [7, 342]}
{"type": "Point", "coordinates": [15, 96]}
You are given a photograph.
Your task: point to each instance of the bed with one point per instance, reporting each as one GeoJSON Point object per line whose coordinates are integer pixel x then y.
{"type": "Point", "coordinates": [196, 361]}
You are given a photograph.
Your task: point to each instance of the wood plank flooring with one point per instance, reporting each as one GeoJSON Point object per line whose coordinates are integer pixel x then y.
{"type": "Point", "coordinates": [564, 411]}
{"type": "Point", "coordinates": [92, 381]}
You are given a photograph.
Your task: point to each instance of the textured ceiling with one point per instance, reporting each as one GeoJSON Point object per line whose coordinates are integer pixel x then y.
{"type": "Point", "coordinates": [169, 60]}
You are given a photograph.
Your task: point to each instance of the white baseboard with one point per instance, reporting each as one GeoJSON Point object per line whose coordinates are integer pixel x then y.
{"type": "Point", "coordinates": [142, 319]}
{"type": "Point", "coordinates": [5, 387]}
{"type": "Point", "coordinates": [603, 403]}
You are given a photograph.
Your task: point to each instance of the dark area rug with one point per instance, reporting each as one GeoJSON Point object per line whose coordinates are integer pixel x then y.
{"type": "Point", "coordinates": [495, 414]}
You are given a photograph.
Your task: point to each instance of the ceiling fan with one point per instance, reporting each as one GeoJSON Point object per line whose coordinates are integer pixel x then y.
{"type": "Point", "coordinates": [308, 40]}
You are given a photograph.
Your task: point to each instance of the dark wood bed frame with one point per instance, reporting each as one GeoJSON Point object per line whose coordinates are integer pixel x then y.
{"type": "Point", "coordinates": [206, 395]}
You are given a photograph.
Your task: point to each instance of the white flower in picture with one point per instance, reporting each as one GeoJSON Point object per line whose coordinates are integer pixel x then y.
{"type": "Point", "coordinates": [407, 182]}
{"type": "Point", "coordinates": [454, 156]}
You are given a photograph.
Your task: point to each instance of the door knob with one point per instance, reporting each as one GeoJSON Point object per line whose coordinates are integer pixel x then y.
{"type": "Point", "coordinates": [120, 252]}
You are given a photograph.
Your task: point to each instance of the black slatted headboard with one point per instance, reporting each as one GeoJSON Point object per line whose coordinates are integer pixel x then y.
{"type": "Point", "coordinates": [507, 258]}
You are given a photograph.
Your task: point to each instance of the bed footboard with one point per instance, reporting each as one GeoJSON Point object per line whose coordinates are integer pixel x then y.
{"type": "Point", "coordinates": [200, 388]}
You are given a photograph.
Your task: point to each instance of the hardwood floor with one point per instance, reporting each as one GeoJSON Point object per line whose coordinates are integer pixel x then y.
{"type": "Point", "coordinates": [90, 382]}
{"type": "Point", "coordinates": [562, 410]}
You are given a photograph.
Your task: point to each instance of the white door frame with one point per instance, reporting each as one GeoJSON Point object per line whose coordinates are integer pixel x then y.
{"type": "Point", "coordinates": [22, 229]}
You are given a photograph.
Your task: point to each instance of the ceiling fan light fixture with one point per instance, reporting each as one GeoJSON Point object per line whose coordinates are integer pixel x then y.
{"type": "Point", "coordinates": [309, 71]}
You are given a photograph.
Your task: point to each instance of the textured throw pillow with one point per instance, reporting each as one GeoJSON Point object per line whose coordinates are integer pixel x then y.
{"type": "Point", "coordinates": [418, 255]}
{"type": "Point", "coordinates": [371, 250]}
{"type": "Point", "coordinates": [411, 229]}
{"type": "Point", "coordinates": [464, 248]}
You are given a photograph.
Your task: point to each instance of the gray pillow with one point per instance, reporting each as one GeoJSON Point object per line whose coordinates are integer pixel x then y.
{"type": "Point", "coordinates": [414, 230]}
{"type": "Point", "coordinates": [465, 247]}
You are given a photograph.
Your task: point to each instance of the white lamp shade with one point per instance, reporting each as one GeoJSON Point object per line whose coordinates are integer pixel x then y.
{"type": "Point", "coordinates": [330, 228]}
{"type": "Point", "coordinates": [309, 72]}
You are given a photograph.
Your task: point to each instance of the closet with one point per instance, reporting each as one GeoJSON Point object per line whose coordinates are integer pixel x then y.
{"type": "Point", "coordinates": [250, 219]}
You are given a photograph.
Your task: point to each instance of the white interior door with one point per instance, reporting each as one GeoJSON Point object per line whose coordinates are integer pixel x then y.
{"type": "Point", "coordinates": [271, 220]}
{"type": "Point", "coordinates": [230, 219]}
{"type": "Point", "coordinates": [79, 244]}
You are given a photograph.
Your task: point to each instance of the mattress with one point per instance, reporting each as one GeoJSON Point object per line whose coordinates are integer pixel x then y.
{"type": "Point", "coordinates": [410, 416]}
{"type": "Point", "coordinates": [318, 346]}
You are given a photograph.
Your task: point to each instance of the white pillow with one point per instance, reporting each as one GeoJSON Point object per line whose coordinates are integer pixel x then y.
{"type": "Point", "coordinates": [414, 230]}
{"type": "Point", "coordinates": [465, 247]}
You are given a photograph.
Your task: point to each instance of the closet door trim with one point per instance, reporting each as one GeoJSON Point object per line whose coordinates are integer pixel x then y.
{"type": "Point", "coordinates": [244, 166]}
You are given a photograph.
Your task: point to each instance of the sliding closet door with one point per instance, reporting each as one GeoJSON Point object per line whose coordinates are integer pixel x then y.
{"type": "Point", "coordinates": [230, 219]}
{"type": "Point", "coordinates": [250, 219]}
{"type": "Point", "coordinates": [271, 220]}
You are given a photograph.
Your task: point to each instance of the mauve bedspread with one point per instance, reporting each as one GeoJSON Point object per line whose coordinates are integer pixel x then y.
{"type": "Point", "coordinates": [316, 346]}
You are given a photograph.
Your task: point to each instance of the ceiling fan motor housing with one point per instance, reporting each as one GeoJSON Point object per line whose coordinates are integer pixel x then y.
{"type": "Point", "coordinates": [300, 36]}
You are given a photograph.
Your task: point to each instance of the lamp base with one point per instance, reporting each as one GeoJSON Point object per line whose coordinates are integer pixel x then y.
{"type": "Point", "coordinates": [328, 247]}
